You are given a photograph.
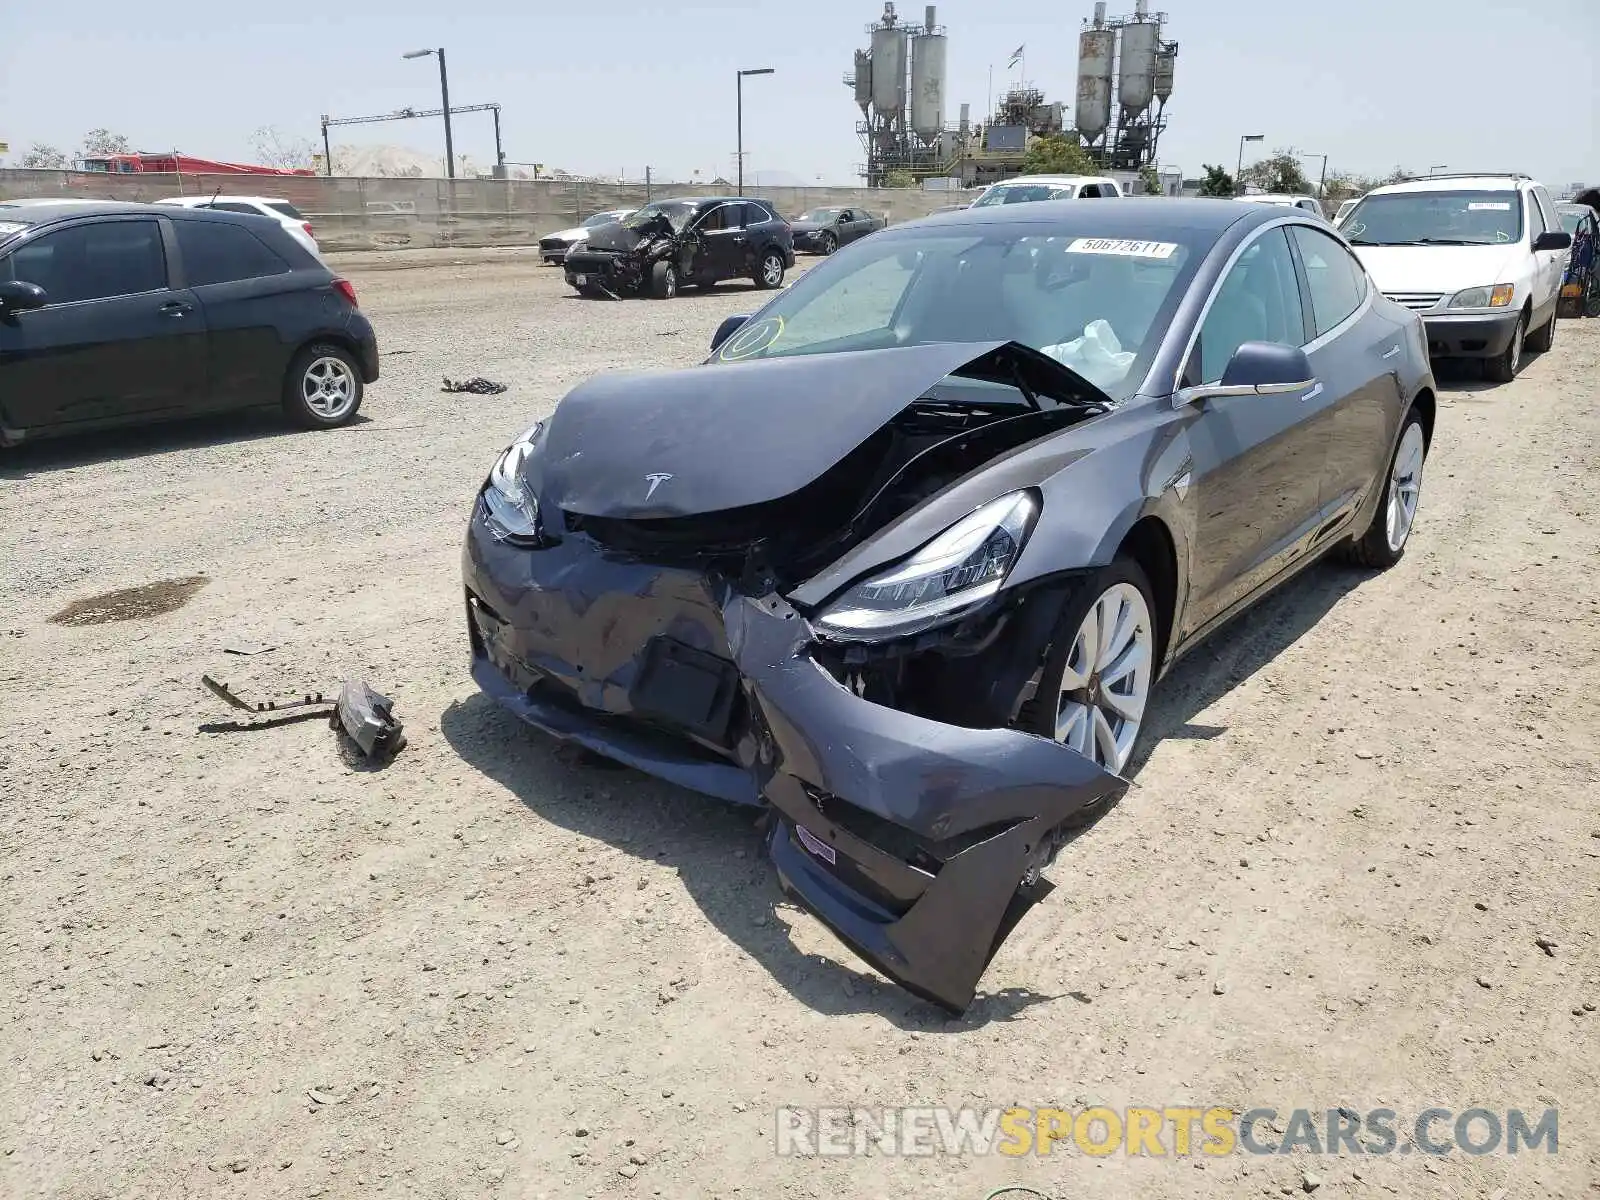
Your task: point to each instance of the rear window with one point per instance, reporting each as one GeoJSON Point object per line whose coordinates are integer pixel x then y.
{"type": "Point", "coordinates": [214, 252]}
{"type": "Point", "coordinates": [286, 209]}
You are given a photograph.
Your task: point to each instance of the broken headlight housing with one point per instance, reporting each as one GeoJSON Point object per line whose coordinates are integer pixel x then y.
{"type": "Point", "coordinates": [951, 575]}
{"type": "Point", "coordinates": [510, 508]}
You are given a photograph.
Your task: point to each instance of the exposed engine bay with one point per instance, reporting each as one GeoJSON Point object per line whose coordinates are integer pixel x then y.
{"type": "Point", "coordinates": [619, 260]}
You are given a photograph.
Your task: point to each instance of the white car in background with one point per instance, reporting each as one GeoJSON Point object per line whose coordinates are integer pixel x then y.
{"type": "Point", "coordinates": [291, 218]}
{"type": "Point", "coordinates": [1026, 188]}
{"type": "Point", "coordinates": [553, 247]}
{"type": "Point", "coordinates": [1305, 203]}
{"type": "Point", "coordinates": [1480, 257]}
{"type": "Point", "coordinates": [1345, 207]}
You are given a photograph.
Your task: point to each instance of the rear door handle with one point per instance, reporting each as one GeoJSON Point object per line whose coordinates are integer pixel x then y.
{"type": "Point", "coordinates": [1391, 352]}
{"type": "Point", "coordinates": [176, 308]}
{"type": "Point", "coordinates": [1313, 391]}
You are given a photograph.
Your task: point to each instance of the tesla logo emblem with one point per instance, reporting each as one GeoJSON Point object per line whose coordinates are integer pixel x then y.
{"type": "Point", "coordinates": [655, 481]}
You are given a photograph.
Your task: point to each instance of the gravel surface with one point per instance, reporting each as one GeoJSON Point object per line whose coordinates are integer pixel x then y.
{"type": "Point", "coordinates": [237, 962]}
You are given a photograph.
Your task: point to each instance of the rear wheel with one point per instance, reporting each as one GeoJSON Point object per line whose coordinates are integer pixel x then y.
{"type": "Point", "coordinates": [1101, 666]}
{"type": "Point", "coordinates": [1504, 367]}
{"type": "Point", "coordinates": [769, 269]}
{"type": "Point", "coordinates": [1546, 336]}
{"type": "Point", "coordinates": [323, 387]}
{"type": "Point", "coordinates": [663, 281]}
{"type": "Point", "coordinates": [1384, 542]}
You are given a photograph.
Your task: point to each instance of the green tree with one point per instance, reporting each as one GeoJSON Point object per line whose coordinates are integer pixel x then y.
{"type": "Point", "coordinates": [45, 158]}
{"type": "Point", "coordinates": [899, 179]}
{"type": "Point", "coordinates": [1056, 154]}
{"type": "Point", "coordinates": [1151, 182]}
{"type": "Point", "coordinates": [1280, 172]}
{"type": "Point", "coordinates": [1217, 182]}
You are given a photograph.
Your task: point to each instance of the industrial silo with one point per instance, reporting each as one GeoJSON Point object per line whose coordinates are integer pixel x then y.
{"type": "Point", "coordinates": [1164, 63]}
{"type": "Point", "coordinates": [889, 68]}
{"type": "Point", "coordinates": [1096, 50]}
{"type": "Point", "coordinates": [863, 80]}
{"type": "Point", "coordinates": [1137, 85]}
{"type": "Point", "coordinates": [927, 80]}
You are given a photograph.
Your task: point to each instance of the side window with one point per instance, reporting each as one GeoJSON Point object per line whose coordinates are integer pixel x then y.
{"type": "Point", "coordinates": [1552, 219]}
{"type": "Point", "coordinates": [1536, 221]}
{"type": "Point", "coordinates": [754, 214]}
{"type": "Point", "coordinates": [713, 219]}
{"type": "Point", "coordinates": [1336, 281]}
{"type": "Point", "coordinates": [234, 207]}
{"type": "Point", "coordinates": [1258, 301]}
{"type": "Point", "coordinates": [214, 252]}
{"type": "Point", "coordinates": [94, 262]}
{"type": "Point", "coordinates": [1089, 191]}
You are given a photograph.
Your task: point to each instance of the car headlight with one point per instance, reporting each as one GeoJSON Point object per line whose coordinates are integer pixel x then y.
{"type": "Point", "coordinates": [1498, 296]}
{"type": "Point", "coordinates": [957, 571]}
{"type": "Point", "coordinates": [510, 508]}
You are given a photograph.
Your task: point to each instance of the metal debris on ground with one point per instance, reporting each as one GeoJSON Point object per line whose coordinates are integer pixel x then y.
{"type": "Point", "coordinates": [477, 385]}
{"type": "Point", "coordinates": [249, 648]}
{"type": "Point", "coordinates": [368, 718]}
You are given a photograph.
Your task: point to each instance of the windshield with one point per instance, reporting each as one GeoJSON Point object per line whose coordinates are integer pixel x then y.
{"type": "Point", "coordinates": [1022, 193]}
{"type": "Point", "coordinates": [284, 208]}
{"type": "Point", "coordinates": [822, 216]}
{"type": "Point", "coordinates": [1436, 219]}
{"type": "Point", "coordinates": [676, 211]}
{"type": "Point", "coordinates": [605, 218]}
{"type": "Point", "coordinates": [1097, 305]}
{"type": "Point", "coordinates": [1572, 219]}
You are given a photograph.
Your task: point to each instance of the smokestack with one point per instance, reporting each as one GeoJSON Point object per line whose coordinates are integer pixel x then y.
{"type": "Point", "coordinates": [1141, 8]}
{"type": "Point", "coordinates": [1100, 14]}
{"type": "Point", "coordinates": [927, 17]}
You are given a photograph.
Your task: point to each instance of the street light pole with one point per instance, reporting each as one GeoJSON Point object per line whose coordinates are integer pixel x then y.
{"type": "Point", "coordinates": [1238, 184]}
{"type": "Point", "coordinates": [444, 92]}
{"type": "Point", "coordinates": [739, 117]}
{"type": "Point", "coordinates": [1322, 185]}
{"type": "Point", "coordinates": [1432, 171]}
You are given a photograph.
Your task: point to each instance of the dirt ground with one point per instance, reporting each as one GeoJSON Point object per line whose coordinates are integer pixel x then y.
{"type": "Point", "coordinates": [237, 964]}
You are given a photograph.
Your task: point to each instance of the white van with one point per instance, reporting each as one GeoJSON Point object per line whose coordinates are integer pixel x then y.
{"type": "Point", "coordinates": [1025, 188]}
{"type": "Point", "coordinates": [1478, 256]}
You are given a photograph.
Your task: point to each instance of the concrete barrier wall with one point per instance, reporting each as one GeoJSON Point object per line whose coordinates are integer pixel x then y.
{"type": "Point", "coordinates": [381, 214]}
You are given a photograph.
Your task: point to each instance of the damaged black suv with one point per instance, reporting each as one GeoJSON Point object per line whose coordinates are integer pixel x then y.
{"type": "Point", "coordinates": [672, 244]}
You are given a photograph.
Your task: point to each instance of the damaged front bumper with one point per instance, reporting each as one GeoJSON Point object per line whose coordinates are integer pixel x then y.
{"type": "Point", "coordinates": [908, 836]}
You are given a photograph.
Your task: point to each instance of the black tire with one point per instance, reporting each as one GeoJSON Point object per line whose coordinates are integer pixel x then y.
{"type": "Point", "coordinates": [316, 393]}
{"type": "Point", "coordinates": [1373, 548]}
{"type": "Point", "coordinates": [663, 281]}
{"type": "Point", "coordinates": [827, 244]}
{"type": "Point", "coordinates": [1546, 336]}
{"type": "Point", "coordinates": [769, 269]}
{"type": "Point", "coordinates": [1504, 366]}
{"type": "Point", "coordinates": [1040, 713]}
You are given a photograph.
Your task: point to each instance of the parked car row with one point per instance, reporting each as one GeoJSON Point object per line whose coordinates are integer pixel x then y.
{"type": "Point", "coordinates": [114, 314]}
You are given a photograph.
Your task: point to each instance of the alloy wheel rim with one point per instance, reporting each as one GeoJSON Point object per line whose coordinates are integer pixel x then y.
{"type": "Point", "coordinates": [328, 388]}
{"type": "Point", "coordinates": [1405, 486]}
{"type": "Point", "coordinates": [1106, 683]}
{"type": "Point", "coordinates": [772, 270]}
{"type": "Point", "coordinates": [1516, 346]}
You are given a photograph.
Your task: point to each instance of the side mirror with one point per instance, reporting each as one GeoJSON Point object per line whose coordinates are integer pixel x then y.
{"type": "Point", "coordinates": [1555, 239]}
{"type": "Point", "coordinates": [729, 327]}
{"type": "Point", "coordinates": [17, 296]}
{"type": "Point", "coordinates": [1256, 369]}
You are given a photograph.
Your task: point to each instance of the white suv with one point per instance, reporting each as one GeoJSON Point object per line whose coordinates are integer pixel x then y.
{"type": "Point", "coordinates": [1049, 187]}
{"type": "Point", "coordinates": [291, 218]}
{"type": "Point", "coordinates": [1478, 256]}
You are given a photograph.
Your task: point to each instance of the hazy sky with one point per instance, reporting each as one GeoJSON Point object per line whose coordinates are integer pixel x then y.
{"type": "Point", "coordinates": [612, 86]}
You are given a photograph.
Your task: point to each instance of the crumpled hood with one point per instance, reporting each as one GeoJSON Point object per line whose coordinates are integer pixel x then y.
{"type": "Point", "coordinates": [614, 236]}
{"type": "Point", "coordinates": [1443, 269]}
{"type": "Point", "coordinates": [725, 435]}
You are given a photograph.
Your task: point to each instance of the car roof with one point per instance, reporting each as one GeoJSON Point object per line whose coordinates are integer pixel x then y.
{"type": "Point", "coordinates": [202, 201]}
{"type": "Point", "coordinates": [1144, 218]}
{"type": "Point", "coordinates": [42, 211]}
{"type": "Point", "coordinates": [1455, 183]}
{"type": "Point", "coordinates": [1054, 179]}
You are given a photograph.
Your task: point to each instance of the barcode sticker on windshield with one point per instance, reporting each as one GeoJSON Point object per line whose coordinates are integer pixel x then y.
{"type": "Point", "coordinates": [1120, 246]}
{"type": "Point", "coordinates": [1490, 206]}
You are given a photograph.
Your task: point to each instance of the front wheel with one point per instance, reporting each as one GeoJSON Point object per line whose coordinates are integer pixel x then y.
{"type": "Point", "coordinates": [769, 270]}
{"type": "Point", "coordinates": [323, 387]}
{"type": "Point", "coordinates": [1101, 666]}
{"type": "Point", "coordinates": [1384, 542]}
{"type": "Point", "coordinates": [1504, 367]}
{"type": "Point", "coordinates": [827, 244]}
{"type": "Point", "coordinates": [663, 281]}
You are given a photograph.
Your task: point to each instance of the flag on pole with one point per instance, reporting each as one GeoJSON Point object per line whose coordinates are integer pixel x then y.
{"type": "Point", "coordinates": [1016, 57]}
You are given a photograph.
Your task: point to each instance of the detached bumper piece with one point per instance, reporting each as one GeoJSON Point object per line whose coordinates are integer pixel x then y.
{"type": "Point", "coordinates": [368, 718]}
{"type": "Point", "coordinates": [910, 838]}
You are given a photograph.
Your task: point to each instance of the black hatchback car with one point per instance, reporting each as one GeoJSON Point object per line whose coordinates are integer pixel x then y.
{"type": "Point", "coordinates": [694, 242]}
{"type": "Point", "coordinates": [114, 314]}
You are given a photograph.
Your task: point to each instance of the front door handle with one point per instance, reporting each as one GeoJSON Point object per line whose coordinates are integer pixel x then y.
{"type": "Point", "coordinates": [1313, 391]}
{"type": "Point", "coordinates": [176, 308]}
{"type": "Point", "coordinates": [1391, 352]}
